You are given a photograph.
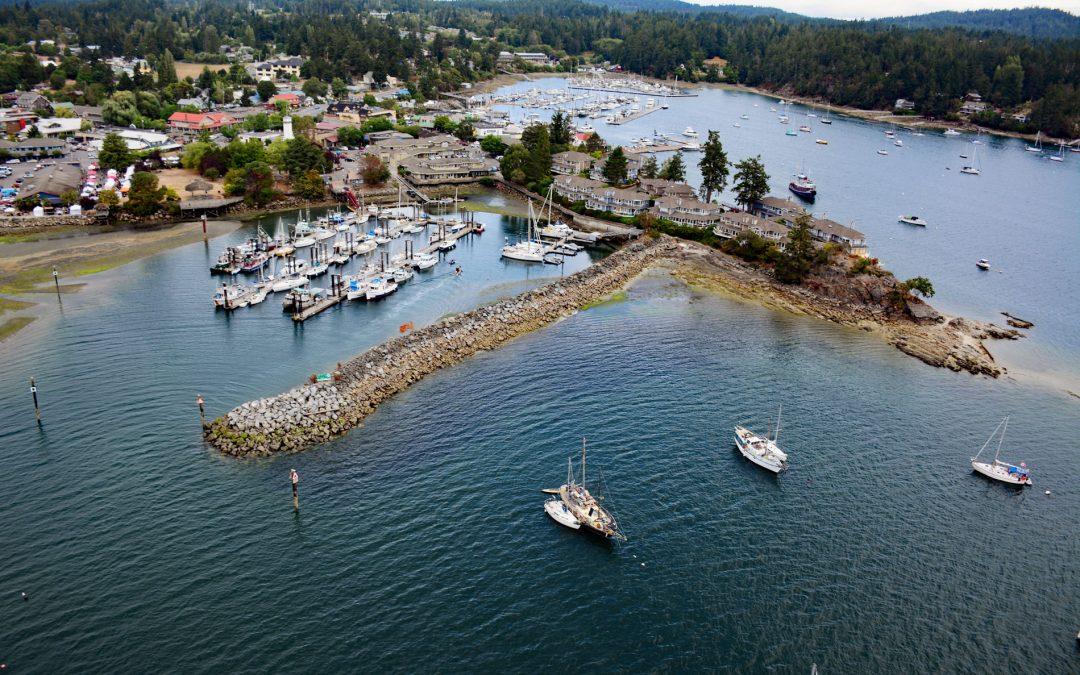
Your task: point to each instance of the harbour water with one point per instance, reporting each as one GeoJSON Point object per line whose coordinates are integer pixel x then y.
{"type": "Point", "coordinates": [421, 542]}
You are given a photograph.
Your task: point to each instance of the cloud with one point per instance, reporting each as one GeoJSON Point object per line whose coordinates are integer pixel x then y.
{"type": "Point", "coordinates": [860, 9]}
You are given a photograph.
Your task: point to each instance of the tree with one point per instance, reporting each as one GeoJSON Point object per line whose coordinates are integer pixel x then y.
{"type": "Point", "coordinates": [69, 197]}
{"type": "Point", "coordinates": [515, 163]}
{"type": "Point", "coordinates": [108, 198]}
{"type": "Point", "coordinates": [797, 258]}
{"type": "Point", "coordinates": [120, 109]}
{"type": "Point", "coordinates": [713, 166]}
{"type": "Point", "coordinates": [615, 167]}
{"type": "Point", "coordinates": [315, 88]}
{"type": "Point", "coordinates": [254, 182]}
{"type": "Point", "coordinates": [302, 155]}
{"type": "Point", "coordinates": [920, 285]}
{"type": "Point", "coordinates": [374, 171]}
{"type": "Point", "coordinates": [648, 168]}
{"type": "Point", "coordinates": [145, 196]}
{"type": "Point", "coordinates": [350, 137]}
{"type": "Point", "coordinates": [751, 181]}
{"type": "Point", "coordinates": [537, 141]}
{"type": "Point", "coordinates": [674, 168]}
{"type": "Point", "coordinates": [465, 131]}
{"type": "Point", "coordinates": [242, 153]}
{"type": "Point", "coordinates": [309, 185]}
{"type": "Point", "coordinates": [266, 90]}
{"type": "Point", "coordinates": [1009, 82]}
{"type": "Point", "coordinates": [493, 145]}
{"type": "Point", "coordinates": [444, 124]}
{"type": "Point", "coordinates": [166, 69]}
{"type": "Point", "coordinates": [114, 153]}
{"type": "Point", "coordinates": [560, 132]}
{"type": "Point", "coordinates": [595, 144]}
{"type": "Point", "coordinates": [339, 88]}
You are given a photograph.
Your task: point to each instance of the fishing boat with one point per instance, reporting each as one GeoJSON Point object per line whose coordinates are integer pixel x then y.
{"type": "Point", "coordinates": [762, 450]}
{"type": "Point", "coordinates": [425, 261]}
{"type": "Point", "coordinates": [356, 287]}
{"type": "Point", "coordinates": [232, 297]}
{"type": "Point", "coordinates": [913, 220]}
{"type": "Point", "coordinates": [998, 470]}
{"type": "Point", "coordinates": [559, 512]}
{"type": "Point", "coordinates": [983, 264]}
{"type": "Point", "coordinates": [254, 262]}
{"type": "Point", "coordinates": [584, 506]}
{"type": "Point", "coordinates": [400, 274]}
{"type": "Point", "coordinates": [229, 262]}
{"type": "Point", "coordinates": [1038, 143]}
{"type": "Point", "coordinates": [803, 187]}
{"type": "Point", "coordinates": [379, 287]}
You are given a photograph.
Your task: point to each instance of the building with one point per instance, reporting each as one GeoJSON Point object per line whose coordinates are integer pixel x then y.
{"type": "Point", "coordinates": [570, 162]}
{"type": "Point", "coordinates": [733, 223]}
{"type": "Point", "coordinates": [903, 104]}
{"type": "Point", "coordinates": [662, 187]}
{"type": "Point", "coordinates": [618, 201]}
{"type": "Point", "coordinates": [33, 101]}
{"type": "Point", "coordinates": [775, 207]}
{"type": "Point", "coordinates": [827, 230]}
{"type": "Point", "coordinates": [148, 140]}
{"type": "Point", "coordinates": [972, 107]}
{"type": "Point", "coordinates": [13, 122]}
{"type": "Point", "coordinates": [357, 113]}
{"type": "Point", "coordinates": [574, 188]}
{"type": "Point", "coordinates": [49, 184]}
{"type": "Point", "coordinates": [532, 58]}
{"type": "Point", "coordinates": [60, 127]}
{"type": "Point", "coordinates": [279, 69]}
{"type": "Point", "coordinates": [460, 166]}
{"type": "Point", "coordinates": [196, 123]}
{"type": "Point", "coordinates": [34, 147]}
{"type": "Point", "coordinates": [633, 165]}
{"type": "Point", "coordinates": [687, 211]}
{"type": "Point", "coordinates": [291, 99]}
{"type": "Point", "coordinates": [390, 150]}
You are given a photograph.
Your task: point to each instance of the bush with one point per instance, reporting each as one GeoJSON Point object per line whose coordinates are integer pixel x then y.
{"type": "Point", "coordinates": [212, 173]}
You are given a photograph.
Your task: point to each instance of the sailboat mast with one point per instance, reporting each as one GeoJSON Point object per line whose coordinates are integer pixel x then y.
{"type": "Point", "coordinates": [1002, 439]}
{"type": "Point", "coordinates": [583, 461]}
{"type": "Point", "coordinates": [776, 435]}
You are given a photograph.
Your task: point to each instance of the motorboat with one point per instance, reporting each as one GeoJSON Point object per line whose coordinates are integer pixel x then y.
{"type": "Point", "coordinates": [882, 152]}
{"type": "Point", "coordinates": [736, 125]}
{"type": "Point", "coordinates": [233, 296]}
{"type": "Point", "coordinates": [744, 116]}
{"type": "Point", "coordinates": [805, 129]}
{"type": "Point", "coordinates": [379, 287]}
{"type": "Point", "coordinates": [790, 132]}
{"type": "Point", "coordinates": [952, 132]}
{"type": "Point", "coordinates": [561, 514]}
{"type": "Point", "coordinates": [803, 187]}
{"type": "Point", "coordinates": [762, 450]}
{"type": "Point", "coordinates": [689, 132]}
{"type": "Point", "coordinates": [400, 274]}
{"type": "Point", "coordinates": [998, 470]}
{"type": "Point", "coordinates": [365, 246]}
{"type": "Point", "coordinates": [983, 264]}
{"type": "Point", "coordinates": [556, 230]}
{"type": "Point", "coordinates": [912, 220]}
{"type": "Point", "coordinates": [821, 141]}
{"type": "Point", "coordinates": [316, 270]}
{"type": "Point", "coordinates": [356, 287]}
{"type": "Point", "coordinates": [425, 261]}
{"type": "Point", "coordinates": [446, 245]}
{"type": "Point", "coordinates": [898, 143]}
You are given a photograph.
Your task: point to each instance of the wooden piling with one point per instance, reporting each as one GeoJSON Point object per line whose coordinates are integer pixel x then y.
{"type": "Point", "coordinates": [294, 478]}
{"type": "Point", "coordinates": [56, 281]}
{"type": "Point", "coordinates": [33, 392]}
{"type": "Point", "coordinates": [202, 410]}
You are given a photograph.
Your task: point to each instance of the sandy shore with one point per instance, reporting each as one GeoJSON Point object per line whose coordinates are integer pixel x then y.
{"type": "Point", "coordinates": [26, 261]}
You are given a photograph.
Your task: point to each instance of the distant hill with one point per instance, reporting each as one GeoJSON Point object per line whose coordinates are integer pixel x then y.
{"type": "Point", "coordinates": [689, 7]}
{"type": "Point", "coordinates": [1032, 22]}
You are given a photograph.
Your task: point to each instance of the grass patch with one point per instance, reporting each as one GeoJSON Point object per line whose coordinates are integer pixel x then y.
{"type": "Point", "coordinates": [8, 305]}
{"type": "Point", "coordinates": [13, 325]}
{"type": "Point", "coordinates": [617, 296]}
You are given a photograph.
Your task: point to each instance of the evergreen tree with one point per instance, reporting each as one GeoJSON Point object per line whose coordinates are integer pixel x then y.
{"type": "Point", "coordinates": [615, 167]}
{"type": "Point", "coordinates": [648, 168]}
{"type": "Point", "coordinates": [537, 141]}
{"type": "Point", "coordinates": [751, 181]}
{"type": "Point", "coordinates": [797, 259]}
{"type": "Point", "coordinates": [114, 153]}
{"type": "Point", "coordinates": [674, 168]}
{"type": "Point", "coordinates": [714, 167]}
{"type": "Point", "coordinates": [560, 133]}
{"type": "Point", "coordinates": [166, 69]}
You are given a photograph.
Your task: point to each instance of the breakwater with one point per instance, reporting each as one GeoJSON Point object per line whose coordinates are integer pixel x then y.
{"type": "Point", "coordinates": [313, 413]}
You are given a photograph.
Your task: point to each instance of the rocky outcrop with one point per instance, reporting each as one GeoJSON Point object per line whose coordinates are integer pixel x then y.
{"type": "Point", "coordinates": [915, 328]}
{"type": "Point", "coordinates": [314, 413]}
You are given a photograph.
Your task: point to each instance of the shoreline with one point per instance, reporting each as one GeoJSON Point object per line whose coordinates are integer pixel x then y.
{"type": "Point", "coordinates": [317, 412]}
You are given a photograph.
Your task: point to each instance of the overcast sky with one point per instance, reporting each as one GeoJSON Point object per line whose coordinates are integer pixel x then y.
{"type": "Point", "coordinates": [867, 9]}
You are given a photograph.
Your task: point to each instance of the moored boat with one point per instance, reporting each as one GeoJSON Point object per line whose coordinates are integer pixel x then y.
{"type": "Point", "coordinates": [585, 507]}
{"type": "Point", "coordinates": [762, 450]}
{"type": "Point", "coordinates": [983, 264]}
{"type": "Point", "coordinates": [912, 220]}
{"type": "Point", "coordinates": [561, 514]}
{"type": "Point", "coordinates": [803, 187]}
{"type": "Point", "coordinates": [998, 470]}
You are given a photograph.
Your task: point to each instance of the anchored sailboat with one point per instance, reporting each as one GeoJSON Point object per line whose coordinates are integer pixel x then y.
{"type": "Point", "coordinates": [999, 470]}
{"type": "Point", "coordinates": [762, 450]}
{"type": "Point", "coordinates": [584, 507]}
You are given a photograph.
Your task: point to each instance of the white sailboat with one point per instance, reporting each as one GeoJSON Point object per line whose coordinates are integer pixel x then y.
{"type": "Point", "coordinates": [975, 168]}
{"type": "Point", "coordinates": [530, 249]}
{"type": "Point", "coordinates": [1060, 157]}
{"type": "Point", "coordinates": [999, 470]}
{"type": "Point", "coordinates": [762, 450]}
{"type": "Point", "coordinates": [559, 512]}
{"type": "Point", "coordinates": [1038, 143]}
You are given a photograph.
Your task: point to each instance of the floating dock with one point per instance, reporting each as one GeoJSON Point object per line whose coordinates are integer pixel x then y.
{"type": "Point", "coordinates": [634, 116]}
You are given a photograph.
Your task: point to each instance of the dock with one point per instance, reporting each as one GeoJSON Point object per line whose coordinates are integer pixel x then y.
{"type": "Point", "coordinates": [337, 292]}
{"type": "Point", "coordinates": [634, 116]}
{"type": "Point", "coordinates": [645, 149]}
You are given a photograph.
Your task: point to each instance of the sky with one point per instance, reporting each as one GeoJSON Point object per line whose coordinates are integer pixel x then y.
{"type": "Point", "coordinates": [871, 9]}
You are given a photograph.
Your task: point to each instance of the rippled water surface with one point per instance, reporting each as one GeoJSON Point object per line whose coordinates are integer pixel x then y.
{"type": "Point", "coordinates": [421, 543]}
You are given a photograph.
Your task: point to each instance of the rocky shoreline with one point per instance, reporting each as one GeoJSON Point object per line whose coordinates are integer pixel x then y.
{"type": "Point", "coordinates": [917, 329]}
{"type": "Point", "coordinates": [314, 413]}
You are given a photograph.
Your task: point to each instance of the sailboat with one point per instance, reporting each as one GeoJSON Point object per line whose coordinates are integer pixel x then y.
{"type": "Point", "coordinates": [584, 506]}
{"type": "Point", "coordinates": [999, 470]}
{"type": "Point", "coordinates": [1038, 143]}
{"type": "Point", "coordinates": [1060, 157]}
{"type": "Point", "coordinates": [762, 450]}
{"type": "Point", "coordinates": [530, 249]}
{"type": "Point", "coordinates": [825, 119]}
{"type": "Point", "coordinates": [975, 168]}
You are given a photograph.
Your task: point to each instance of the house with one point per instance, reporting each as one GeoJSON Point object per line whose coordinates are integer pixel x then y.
{"type": "Point", "coordinates": [196, 123]}
{"type": "Point", "coordinates": [49, 184]}
{"type": "Point", "coordinates": [33, 101]}
{"type": "Point", "coordinates": [61, 127]}
{"type": "Point", "coordinates": [661, 187]}
{"type": "Point", "coordinates": [687, 211]}
{"type": "Point", "coordinates": [532, 58]}
{"type": "Point", "coordinates": [733, 223]}
{"type": "Point", "coordinates": [619, 201]}
{"type": "Point", "coordinates": [455, 167]}
{"type": "Point", "coordinates": [972, 107]}
{"type": "Point", "coordinates": [279, 69]}
{"type": "Point", "coordinates": [570, 162]}
{"type": "Point", "coordinates": [827, 230]}
{"type": "Point", "coordinates": [903, 104]}
{"type": "Point", "coordinates": [34, 147]}
{"type": "Point", "coordinates": [197, 102]}
{"type": "Point", "coordinates": [775, 207]}
{"type": "Point", "coordinates": [356, 112]}
{"type": "Point", "coordinates": [291, 99]}
{"type": "Point", "coordinates": [633, 165]}
{"type": "Point", "coordinates": [13, 122]}
{"type": "Point", "coordinates": [715, 62]}
{"type": "Point", "coordinates": [574, 188]}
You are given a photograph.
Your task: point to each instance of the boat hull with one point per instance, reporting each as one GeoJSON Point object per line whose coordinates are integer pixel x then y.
{"type": "Point", "coordinates": [558, 512]}
{"type": "Point", "coordinates": [745, 451]}
{"type": "Point", "coordinates": [1000, 474]}
{"type": "Point", "coordinates": [804, 193]}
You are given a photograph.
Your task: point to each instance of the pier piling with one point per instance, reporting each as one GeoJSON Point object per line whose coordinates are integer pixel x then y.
{"type": "Point", "coordinates": [56, 281]}
{"type": "Point", "coordinates": [204, 237]}
{"type": "Point", "coordinates": [294, 478]}
{"type": "Point", "coordinates": [33, 392]}
{"type": "Point", "coordinates": [202, 409]}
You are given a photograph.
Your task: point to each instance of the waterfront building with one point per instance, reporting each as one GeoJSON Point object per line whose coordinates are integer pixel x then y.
{"type": "Point", "coordinates": [687, 211]}
{"type": "Point", "coordinates": [193, 124]}
{"type": "Point", "coordinates": [662, 187]}
{"type": "Point", "coordinates": [570, 162]}
{"type": "Point", "coordinates": [456, 167]}
{"type": "Point", "coordinates": [732, 223]}
{"type": "Point", "coordinates": [633, 165]}
{"type": "Point", "coordinates": [574, 188]}
{"type": "Point", "coordinates": [618, 201]}
{"type": "Point", "coordinates": [777, 207]}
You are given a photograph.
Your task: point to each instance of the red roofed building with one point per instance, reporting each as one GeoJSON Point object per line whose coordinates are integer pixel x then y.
{"type": "Point", "coordinates": [195, 123]}
{"type": "Point", "coordinates": [292, 99]}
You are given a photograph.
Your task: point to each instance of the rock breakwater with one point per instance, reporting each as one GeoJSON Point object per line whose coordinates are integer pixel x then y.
{"type": "Point", "coordinates": [314, 413]}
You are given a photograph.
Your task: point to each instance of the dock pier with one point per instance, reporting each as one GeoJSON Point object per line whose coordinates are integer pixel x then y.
{"type": "Point", "coordinates": [634, 116]}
